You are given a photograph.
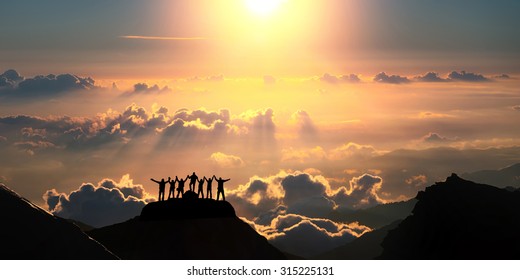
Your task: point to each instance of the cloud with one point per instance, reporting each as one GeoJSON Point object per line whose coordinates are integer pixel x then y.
{"type": "Point", "coordinates": [226, 161]}
{"type": "Point", "coordinates": [308, 237]}
{"type": "Point", "coordinates": [162, 38]}
{"type": "Point", "coordinates": [10, 78]}
{"type": "Point", "coordinates": [353, 151]}
{"type": "Point", "coordinates": [393, 79]}
{"type": "Point", "coordinates": [303, 155]}
{"type": "Point", "coordinates": [331, 79]}
{"type": "Point", "coordinates": [99, 205]}
{"type": "Point", "coordinates": [15, 86]}
{"type": "Point", "coordinates": [363, 192]}
{"type": "Point", "coordinates": [430, 77]}
{"type": "Point", "coordinates": [436, 138]}
{"type": "Point", "coordinates": [213, 78]}
{"type": "Point", "coordinates": [143, 88]}
{"type": "Point", "coordinates": [307, 130]}
{"type": "Point", "coordinates": [303, 194]}
{"type": "Point", "coordinates": [112, 128]}
{"type": "Point", "coordinates": [417, 181]}
{"type": "Point", "coordinates": [467, 77]}
{"type": "Point", "coordinates": [503, 76]}
{"type": "Point", "coordinates": [269, 80]}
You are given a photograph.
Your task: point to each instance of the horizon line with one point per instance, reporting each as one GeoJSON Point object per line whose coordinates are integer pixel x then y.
{"type": "Point", "coordinates": [140, 37]}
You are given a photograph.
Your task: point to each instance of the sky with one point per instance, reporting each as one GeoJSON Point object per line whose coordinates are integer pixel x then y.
{"type": "Point", "coordinates": [308, 106]}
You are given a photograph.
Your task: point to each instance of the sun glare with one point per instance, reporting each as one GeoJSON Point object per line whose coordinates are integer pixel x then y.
{"type": "Point", "coordinates": [263, 7]}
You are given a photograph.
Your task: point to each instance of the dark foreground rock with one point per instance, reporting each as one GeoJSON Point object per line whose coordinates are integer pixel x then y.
{"type": "Point", "coordinates": [31, 233]}
{"type": "Point", "coordinates": [186, 208]}
{"type": "Point", "coordinates": [192, 229]}
{"type": "Point", "coordinates": [458, 219]}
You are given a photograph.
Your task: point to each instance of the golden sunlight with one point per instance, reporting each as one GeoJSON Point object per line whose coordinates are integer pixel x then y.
{"type": "Point", "coordinates": [263, 7]}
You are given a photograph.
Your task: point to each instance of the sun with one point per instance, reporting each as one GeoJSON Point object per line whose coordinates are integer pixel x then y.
{"type": "Point", "coordinates": [263, 7]}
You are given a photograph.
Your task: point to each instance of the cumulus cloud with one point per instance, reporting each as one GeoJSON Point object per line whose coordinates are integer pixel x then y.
{"type": "Point", "coordinates": [393, 79]}
{"type": "Point", "coordinates": [434, 138]}
{"type": "Point", "coordinates": [467, 77]}
{"type": "Point", "coordinates": [364, 191]}
{"type": "Point", "coordinates": [308, 237]}
{"type": "Point", "coordinates": [143, 88]}
{"type": "Point", "coordinates": [99, 205]}
{"type": "Point", "coordinates": [10, 78]}
{"type": "Point", "coordinates": [14, 85]}
{"type": "Point", "coordinates": [226, 161]}
{"type": "Point", "coordinates": [262, 199]}
{"type": "Point", "coordinates": [430, 77]}
{"type": "Point", "coordinates": [182, 128]}
{"type": "Point", "coordinates": [331, 79]}
{"type": "Point", "coordinates": [503, 76]}
{"type": "Point", "coordinates": [307, 130]}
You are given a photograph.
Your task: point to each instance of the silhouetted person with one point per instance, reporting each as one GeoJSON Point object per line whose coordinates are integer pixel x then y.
{"type": "Point", "coordinates": [220, 188]}
{"type": "Point", "coordinates": [171, 193]}
{"type": "Point", "coordinates": [193, 179]}
{"type": "Point", "coordinates": [162, 187]}
{"type": "Point", "coordinates": [180, 186]}
{"type": "Point", "coordinates": [200, 190]}
{"type": "Point", "coordinates": [209, 194]}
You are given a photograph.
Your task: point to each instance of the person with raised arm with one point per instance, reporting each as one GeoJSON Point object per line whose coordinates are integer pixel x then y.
{"type": "Point", "coordinates": [209, 193]}
{"type": "Point", "coordinates": [162, 187]}
{"type": "Point", "coordinates": [200, 191]}
{"type": "Point", "coordinates": [171, 193]}
{"type": "Point", "coordinates": [220, 187]}
{"type": "Point", "coordinates": [180, 186]}
{"type": "Point", "coordinates": [193, 179]}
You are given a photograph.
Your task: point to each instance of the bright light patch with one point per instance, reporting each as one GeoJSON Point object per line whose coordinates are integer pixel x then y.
{"type": "Point", "coordinates": [263, 7]}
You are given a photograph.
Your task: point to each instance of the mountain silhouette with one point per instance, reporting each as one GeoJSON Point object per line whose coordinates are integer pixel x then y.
{"type": "Point", "coordinates": [31, 233]}
{"type": "Point", "coordinates": [458, 219]}
{"type": "Point", "coordinates": [505, 177]}
{"type": "Point", "coordinates": [186, 228]}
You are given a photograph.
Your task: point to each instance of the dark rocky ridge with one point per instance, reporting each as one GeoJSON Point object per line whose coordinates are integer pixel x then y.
{"type": "Point", "coordinates": [458, 219]}
{"type": "Point", "coordinates": [31, 233]}
{"type": "Point", "coordinates": [188, 207]}
{"type": "Point", "coordinates": [189, 229]}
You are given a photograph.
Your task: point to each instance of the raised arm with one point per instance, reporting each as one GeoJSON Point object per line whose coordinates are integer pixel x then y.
{"type": "Point", "coordinates": [214, 177]}
{"type": "Point", "coordinates": [176, 179]}
{"type": "Point", "coordinates": [155, 180]}
{"type": "Point", "coordinates": [169, 180]}
{"type": "Point", "coordinates": [226, 180]}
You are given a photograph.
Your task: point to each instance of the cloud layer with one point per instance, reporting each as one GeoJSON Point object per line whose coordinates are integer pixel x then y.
{"type": "Point", "coordinates": [106, 203]}
{"type": "Point", "coordinates": [308, 237]}
{"type": "Point", "coordinates": [14, 85]}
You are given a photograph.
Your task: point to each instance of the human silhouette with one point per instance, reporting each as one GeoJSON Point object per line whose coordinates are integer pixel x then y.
{"type": "Point", "coordinates": [220, 187]}
{"type": "Point", "coordinates": [193, 179]}
{"type": "Point", "coordinates": [209, 194]}
{"type": "Point", "coordinates": [180, 186]}
{"type": "Point", "coordinates": [200, 190]}
{"type": "Point", "coordinates": [171, 193]}
{"type": "Point", "coordinates": [162, 187]}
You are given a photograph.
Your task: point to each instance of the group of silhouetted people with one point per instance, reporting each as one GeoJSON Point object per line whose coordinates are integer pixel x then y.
{"type": "Point", "coordinates": [194, 181]}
